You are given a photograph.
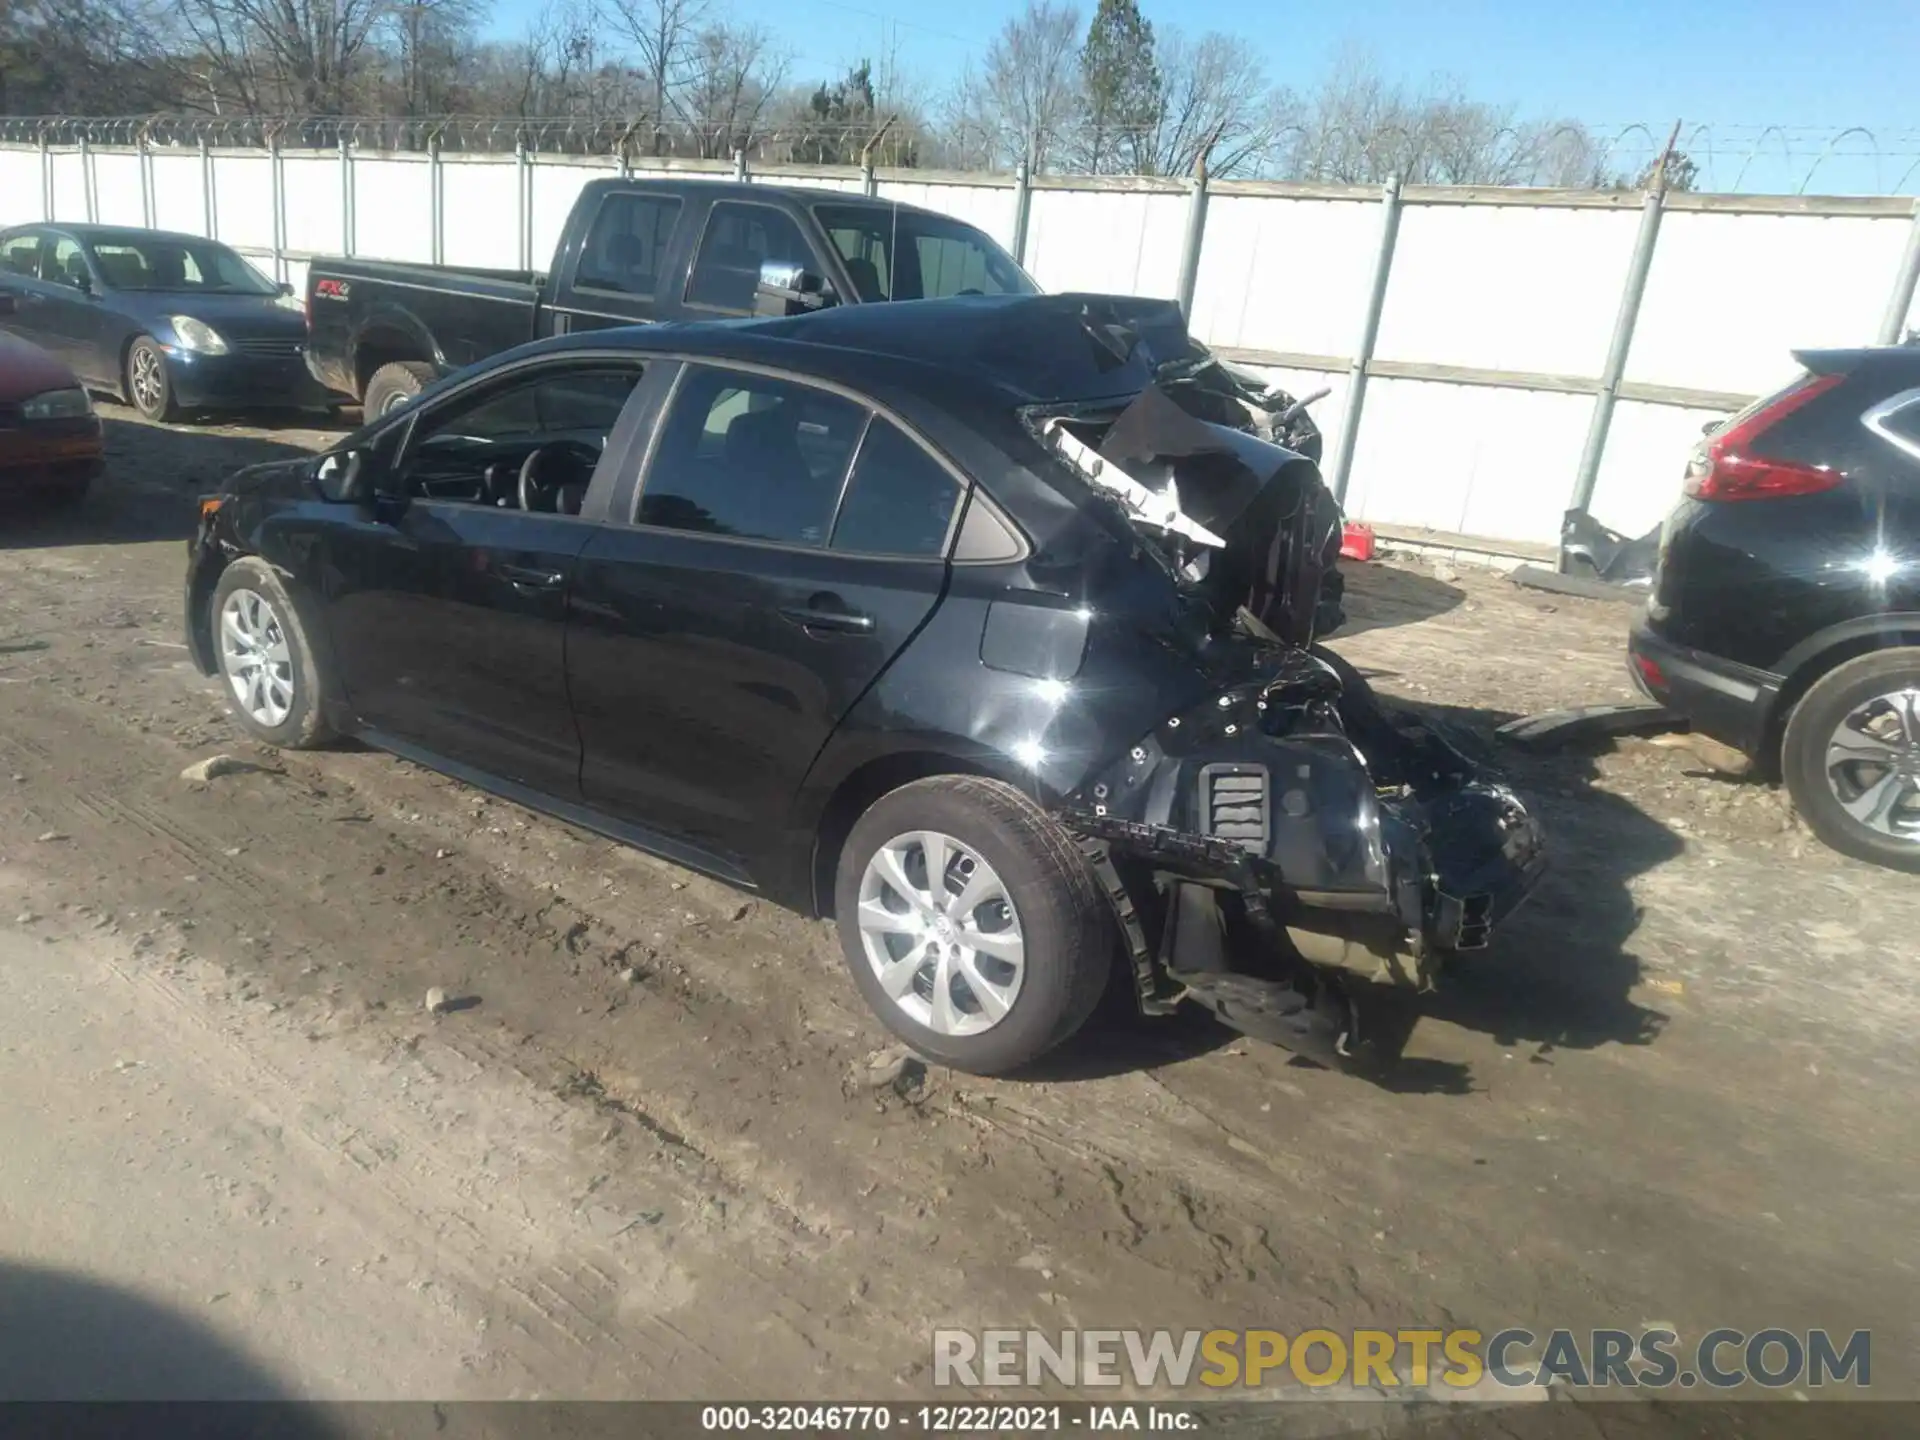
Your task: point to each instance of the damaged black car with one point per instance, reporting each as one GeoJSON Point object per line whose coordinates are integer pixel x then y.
{"type": "Point", "coordinates": [985, 626]}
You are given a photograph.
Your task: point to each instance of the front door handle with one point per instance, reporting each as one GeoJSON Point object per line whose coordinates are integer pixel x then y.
{"type": "Point", "coordinates": [522, 577]}
{"type": "Point", "coordinates": [823, 614]}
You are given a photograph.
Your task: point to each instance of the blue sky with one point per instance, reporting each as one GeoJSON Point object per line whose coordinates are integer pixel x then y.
{"type": "Point", "coordinates": [1814, 67]}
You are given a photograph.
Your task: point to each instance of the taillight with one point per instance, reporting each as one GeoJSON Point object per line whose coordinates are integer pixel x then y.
{"type": "Point", "coordinates": [1734, 465]}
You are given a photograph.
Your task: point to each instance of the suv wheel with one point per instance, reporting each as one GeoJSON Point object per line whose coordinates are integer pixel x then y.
{"type": "Point", "coordinates": [1851, 758]}
{"type": "Point", "coordinates": [273, 678]}
{"type": "Point", "coordinates": [971, 923]}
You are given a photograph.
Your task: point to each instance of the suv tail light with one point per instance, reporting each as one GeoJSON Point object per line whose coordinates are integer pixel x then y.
{"type": "Point", "coordinates": [1734, 465]}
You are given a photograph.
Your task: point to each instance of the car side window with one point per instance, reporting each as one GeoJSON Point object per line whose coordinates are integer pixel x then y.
{"type": "Point", "coordinates": [738, 240]}
{"type": "Point", "coordinates": [752, 456]}
{"type": "Point", "coordinates": [470, 449]}
{"type": "Point", "coordinates": [900, 500]}
{"type": "Point", "coordinates": [627, 243]}
{"type": "Point", "coordinates": [64, 264]}
{"type": "Point", "coordinates": [20, 256]}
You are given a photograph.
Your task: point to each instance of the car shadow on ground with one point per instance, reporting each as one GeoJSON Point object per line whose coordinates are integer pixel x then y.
{"type": "Point", "coordinates": [70, 1338]}
{"type": "Point", "coordinates": [154, 477]}
{"type": "Point", "coordinates": [1558, 975]}
{"type": "Point", "coordinates": [1378, 597]}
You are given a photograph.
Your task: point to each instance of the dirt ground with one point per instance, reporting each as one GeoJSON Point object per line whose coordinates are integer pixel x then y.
{"type": "Point", "coordinates": [639, 1158]}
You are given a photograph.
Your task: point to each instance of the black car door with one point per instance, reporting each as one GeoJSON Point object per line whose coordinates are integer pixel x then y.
{"type": "Point", "coordinates": [628, 254]}
{"type": "Point", "coordinates": [787, 544]}
{"type": "Point", "coordinates": [447, 597]}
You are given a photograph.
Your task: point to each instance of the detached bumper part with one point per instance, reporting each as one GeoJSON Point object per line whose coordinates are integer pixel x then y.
{"type": "Point", "coordinates": [1276, 875]}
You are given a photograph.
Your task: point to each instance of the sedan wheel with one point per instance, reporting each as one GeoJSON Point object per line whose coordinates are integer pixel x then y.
{"type": "Point", "coordinates": [149, 386]}
{"type": "Point", "coordinates": [971, 923]}
{"type": "Point", "coordinates": [941, 934]}
{"type": "Point", "coordinates": [281, 689]}
{"type": "Point", "coordinates": [255, 656]}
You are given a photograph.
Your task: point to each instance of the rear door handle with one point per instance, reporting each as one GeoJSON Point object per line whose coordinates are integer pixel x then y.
{"type": "Point", "coordinates": [829, 618]}
{"type": "Point", "coordinates": [522, 577]}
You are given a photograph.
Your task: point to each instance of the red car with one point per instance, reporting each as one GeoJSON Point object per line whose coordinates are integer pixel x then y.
{"type": "Point", "coordinates": [49, 436]}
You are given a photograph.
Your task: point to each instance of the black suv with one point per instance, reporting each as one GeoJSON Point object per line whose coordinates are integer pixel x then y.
{"type": "Point", "coordinates": [1785, 614]}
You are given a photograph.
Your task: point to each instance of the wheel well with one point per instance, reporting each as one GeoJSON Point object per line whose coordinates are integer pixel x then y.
{"type": "Point", "coordinates": [855, 796]}
{"type": "Point", "coordinates": [382, 347]}
{"type": "Point", "coordinates": [1808, 674]}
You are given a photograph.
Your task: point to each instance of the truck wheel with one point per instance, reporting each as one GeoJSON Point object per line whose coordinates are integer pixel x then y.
{"type": "Point", "coordinates": [273, 676]}
{"type": "Point", "coordinates": [1851, 758]}
{"type": "Point", "coordinates": [393, 385]}
{"type": "Point", "coordinates": [971, 923]}
{"type": "Point", "coordinates": [149, 386]}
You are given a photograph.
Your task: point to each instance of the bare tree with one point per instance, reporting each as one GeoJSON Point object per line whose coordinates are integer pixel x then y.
{"type": "Point", "coordinates": [303, 57]}
{"type": "Point", "coordinates": [736, 71]}
{"type": "Point", "coordinates": [86, 57]}
{"type": "Point", "coordinates": [1215, 99]}
{"type": "Point", "coordinates": [430, 39]}
{"type": "Point", "coordinates": [1359, 128]}
{"type": "Point", "coordinates": [1024, 103]}
{"type": "Point", "coordinates": [666, 35]}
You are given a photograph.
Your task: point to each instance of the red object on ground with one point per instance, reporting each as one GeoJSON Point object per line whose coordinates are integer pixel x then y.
{"type": "Point", "coordinates": [1356, 542]}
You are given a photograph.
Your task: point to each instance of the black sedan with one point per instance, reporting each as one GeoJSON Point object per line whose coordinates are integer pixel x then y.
{"type": "Point", "coordinates": [168, 323]}
{"type": "Point", "coordinates": [1785, 614]}
{"type": "Point", "coordinates": [952, 619]}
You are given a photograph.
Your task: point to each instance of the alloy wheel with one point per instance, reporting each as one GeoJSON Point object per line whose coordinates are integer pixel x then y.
{"type": "Point", "coordinates": [149, 382]}
{"type": "Point", "coordinates": [1873, 764]}
{"type": "Point", "coordinates": [941, 933]}
{"type": "Point", "coordinates": [255, 656]}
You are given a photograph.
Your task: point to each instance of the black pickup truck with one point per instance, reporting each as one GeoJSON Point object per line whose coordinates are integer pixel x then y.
{"type": "Point", "coordinates": [633, 252]}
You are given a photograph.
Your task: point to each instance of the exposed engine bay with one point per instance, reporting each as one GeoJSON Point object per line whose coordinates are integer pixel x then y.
{"type": "Point", "coordinates": [1280, 849]}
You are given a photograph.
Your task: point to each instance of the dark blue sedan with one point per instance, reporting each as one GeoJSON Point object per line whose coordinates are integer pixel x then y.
{"type": "Point", "coordinates": [167, 322]}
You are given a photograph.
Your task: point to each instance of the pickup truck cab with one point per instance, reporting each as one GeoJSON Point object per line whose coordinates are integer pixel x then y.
{"type": "Point", "coordinates": [637, 251]}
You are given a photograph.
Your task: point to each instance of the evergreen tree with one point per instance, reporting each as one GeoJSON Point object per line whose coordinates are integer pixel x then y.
{"type": "Point", "coordinates": [1121, 86]}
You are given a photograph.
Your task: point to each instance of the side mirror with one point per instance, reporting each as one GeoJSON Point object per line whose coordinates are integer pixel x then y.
{"type": "Point", "coordinates": [789, 289]}
{"type": "Point", "coordinates": [286, 287]}
{"type": "Point", "coordinates": [81, 281]}
{"type": "Point", "coordinates": [343, 476]}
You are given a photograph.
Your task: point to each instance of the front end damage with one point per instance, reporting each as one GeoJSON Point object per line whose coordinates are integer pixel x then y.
{"type": "Point", "coordinates": [1288, 845]}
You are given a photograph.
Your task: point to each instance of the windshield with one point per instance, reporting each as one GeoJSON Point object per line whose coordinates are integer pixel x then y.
{"type": "Point", "coordinates": [906, 255]}
{"type": "Point", "coordinates": [154, 262]}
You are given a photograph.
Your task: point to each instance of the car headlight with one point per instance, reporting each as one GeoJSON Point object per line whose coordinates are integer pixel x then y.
{"type": "Point", "coordinates": [197, 335]}
{"type": "Point", "coordinates": [57, 405]}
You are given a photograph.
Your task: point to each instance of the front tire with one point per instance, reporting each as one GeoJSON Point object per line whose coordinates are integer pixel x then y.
{"type": "Point", "coordinates": [1851, 758]}
{"type": "Point", "coordinates": [149, 384]}
{"type": "Point", "coordinates": [274, 681]}
{"type": "Point", "coordinates": [393, 385]}
{"type": "Point", "coordinates": [971, 923]}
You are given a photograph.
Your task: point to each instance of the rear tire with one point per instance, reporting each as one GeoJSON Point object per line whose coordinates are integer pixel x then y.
{"type": "Point", "coordinates": [276, 686]}
{"type": "Point", "coordinates": [1858, 705]}
{"type": "Point", "coordinates": [996, 1017]}
{"type": "Point", "coordinates": [393, 385]}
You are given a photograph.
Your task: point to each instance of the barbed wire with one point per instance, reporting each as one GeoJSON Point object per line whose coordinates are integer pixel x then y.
{"type": "Point", "coordinates": [1725, 157]}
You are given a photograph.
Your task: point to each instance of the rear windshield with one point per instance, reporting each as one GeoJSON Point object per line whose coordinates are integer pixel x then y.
{"type": "Point", "coordinates": [905, 255]}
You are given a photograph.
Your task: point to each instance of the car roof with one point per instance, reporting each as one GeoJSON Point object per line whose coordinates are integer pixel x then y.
{"type": "Point", "coordinates": [760, 190]}
{"type": "Point", "coordinates": [92, 231]}
{"type": "Point", "coordinates": [1024, 349]}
